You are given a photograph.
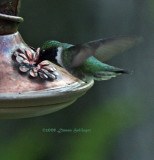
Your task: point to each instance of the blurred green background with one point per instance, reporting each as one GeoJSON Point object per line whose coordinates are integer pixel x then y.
{"type": "Point", "coordinates": [118, 112]}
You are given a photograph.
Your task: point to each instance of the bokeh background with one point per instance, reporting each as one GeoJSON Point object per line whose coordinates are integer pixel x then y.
{"type": "Point", "coordinates": [118, 112]}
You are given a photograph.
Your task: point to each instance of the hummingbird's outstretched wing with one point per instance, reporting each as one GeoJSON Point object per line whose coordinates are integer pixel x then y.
{"type": "Point", "coordinates": [103, 49]}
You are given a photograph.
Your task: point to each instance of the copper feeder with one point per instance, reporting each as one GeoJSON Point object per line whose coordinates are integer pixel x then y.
{"type": "Point", "coordinates": [21, 96]}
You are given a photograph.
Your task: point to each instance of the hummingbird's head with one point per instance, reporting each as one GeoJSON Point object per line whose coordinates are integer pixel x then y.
{"type": "Point", "coordinates": [51, 50]}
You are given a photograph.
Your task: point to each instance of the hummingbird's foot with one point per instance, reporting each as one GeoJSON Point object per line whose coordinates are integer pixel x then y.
{"type": "Point", "coordinates": [28, 63]}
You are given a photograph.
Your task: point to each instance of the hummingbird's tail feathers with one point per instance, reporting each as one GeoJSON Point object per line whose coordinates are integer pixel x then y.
{"type": "Point", "coordinates": [122, 71]}
{"type": "Point", "coordinates": [103, 49]}
{"type": "Point", "coordinates": [107, 72]}
{"type": "Point", "coordinates": [99, 76]}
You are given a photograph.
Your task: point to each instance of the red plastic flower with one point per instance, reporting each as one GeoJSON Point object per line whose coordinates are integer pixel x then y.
{"type": "Point", "coordinates": [28, 62]}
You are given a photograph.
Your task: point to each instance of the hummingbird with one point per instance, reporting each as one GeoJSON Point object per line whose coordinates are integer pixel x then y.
{"type": "Point", "coordinates": [86, 61]}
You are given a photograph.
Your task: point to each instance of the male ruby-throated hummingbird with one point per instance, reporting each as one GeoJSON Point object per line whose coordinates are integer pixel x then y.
{"type": "Point", "coordinates": [85, 61]}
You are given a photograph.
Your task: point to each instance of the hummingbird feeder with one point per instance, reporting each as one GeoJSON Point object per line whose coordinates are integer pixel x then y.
{"type": "Point", "coordinates": [26, 89]}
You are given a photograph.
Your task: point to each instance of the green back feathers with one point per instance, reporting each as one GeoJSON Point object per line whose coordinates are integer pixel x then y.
{"type": "Point", "coordinates": [50, 44]}
{"type": "Point", "coordinates": [57, 44]}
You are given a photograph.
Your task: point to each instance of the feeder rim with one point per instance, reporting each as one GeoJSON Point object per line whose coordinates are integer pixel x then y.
{"type": "Point", "coordinates": [11, 18]}
{"type": "Point", "coordinates": [48, 92]}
